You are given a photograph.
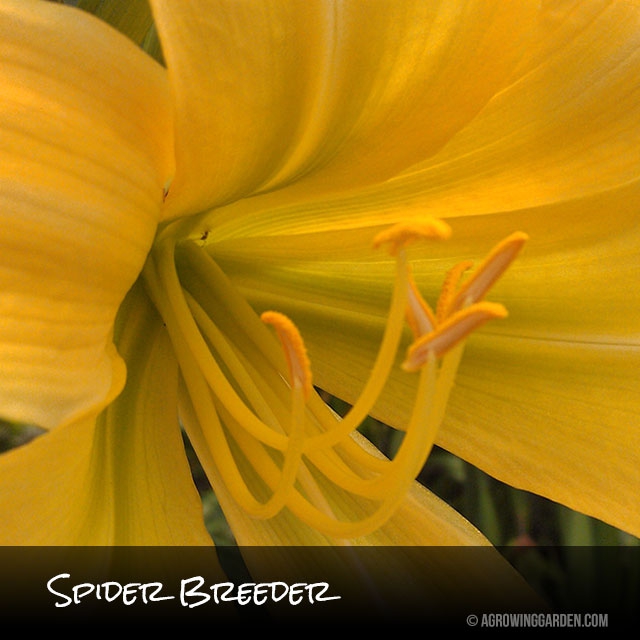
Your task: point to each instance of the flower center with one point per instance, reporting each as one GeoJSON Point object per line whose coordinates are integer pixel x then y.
{"type": "Point", "coordinates": [256, 421]}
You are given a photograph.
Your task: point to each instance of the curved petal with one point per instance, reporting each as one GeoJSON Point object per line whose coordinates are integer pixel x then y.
{"type": "Point", "coordinates": [554, 379]}
{"type": "Point", "coordinates": [85, 150]}
{"type": "Point", "coordinates": [48, 490]}
{"type": "Point", "coordinates": [565, 127]}
{"type": "Point", "coordinates": [155, 499]}
{"type": "Point", "coordinates": [268, 93]}
{"type": "Point", "coordinates": [120, 479]}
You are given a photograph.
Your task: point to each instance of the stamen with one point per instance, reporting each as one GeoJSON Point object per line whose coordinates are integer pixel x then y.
{"type": "Point", "coordinates": [451, 332]}
{"type": "Point", "coordinates": [295, 351]}
{"type": "Point", "coordinates": [400, 235]}
{"type": "Point", "coordinates": [494, 265]}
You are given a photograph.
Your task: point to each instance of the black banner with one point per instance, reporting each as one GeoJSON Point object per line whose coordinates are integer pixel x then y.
{"type": "Point", "coordinates": [444, 587]}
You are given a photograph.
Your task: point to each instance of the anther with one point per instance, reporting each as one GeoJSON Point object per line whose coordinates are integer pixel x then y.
{"type": "Point", "coordinates": [294, 349]}
{"type": "Point", "coordinates": [449, 333]}
{"type": "Point", "coordinates": [485, 276]}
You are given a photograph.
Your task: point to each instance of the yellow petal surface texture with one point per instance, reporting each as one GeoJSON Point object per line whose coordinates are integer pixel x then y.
{"type": "Point", "coordinates": [85, 149]}
{"type": "Point", "coordinates": [268, 93]}
{"type": "Point", "coordinates": [120, 479]}
{"type": "Point", "coordinates": [565, 127]}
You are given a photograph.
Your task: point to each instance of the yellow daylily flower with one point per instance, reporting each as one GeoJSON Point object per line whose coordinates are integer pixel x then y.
{"type": "Point", "coordinates": [152, 215]}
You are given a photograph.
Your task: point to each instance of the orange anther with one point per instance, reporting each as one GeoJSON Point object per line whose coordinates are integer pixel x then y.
{"type": "Point", "coordinates": [454, 329]}
{"type": "Point", "coordinates": [485, 276]}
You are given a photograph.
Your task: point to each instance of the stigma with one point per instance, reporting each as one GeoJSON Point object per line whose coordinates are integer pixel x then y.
{"type": "Point", "coordinates": [294, 349]}
{"type": "Point", "coordinates": [402, 234]}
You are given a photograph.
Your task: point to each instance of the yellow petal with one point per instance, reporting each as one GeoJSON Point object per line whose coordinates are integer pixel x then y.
{"type": "Point", "coordinates": [566, 127]}
{"type": "Point", "coordinates": [50, 491]}
{"type": "Point", "coordinates": [558, 418]}
{"type": "Point", "coordinates": [120, 479]}
{"type": "Point", "coordinates": [267, 93]}
{"type": "Point", "coordinates": [86, 149]}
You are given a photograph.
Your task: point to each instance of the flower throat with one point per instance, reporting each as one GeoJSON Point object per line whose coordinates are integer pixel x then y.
{"type": "Point", "coordinates": [248, 403]}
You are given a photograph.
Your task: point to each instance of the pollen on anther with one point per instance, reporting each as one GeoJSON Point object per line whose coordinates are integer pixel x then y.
{"type": "Point", "coordinates": [404, 233]}
{"type": "Point", "coordinates": [294, 349]}
{"type": "Point", "coordinates": [492, 267]}
{"type": "Point", "coordinates": [448, 334]}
